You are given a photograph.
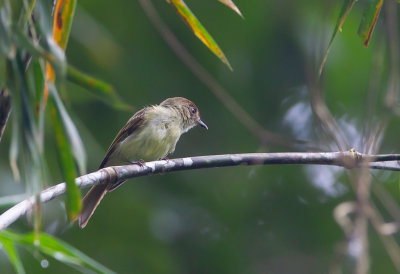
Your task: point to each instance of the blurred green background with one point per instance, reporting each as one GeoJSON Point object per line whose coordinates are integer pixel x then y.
{"type": "Point", "coordinates": [267, 219]}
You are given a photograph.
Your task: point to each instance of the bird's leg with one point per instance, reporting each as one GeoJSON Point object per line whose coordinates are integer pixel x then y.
{"type": "Point", "coordinates": [139, 163]}
{"type": "Point", "coordinates": [165, 159]}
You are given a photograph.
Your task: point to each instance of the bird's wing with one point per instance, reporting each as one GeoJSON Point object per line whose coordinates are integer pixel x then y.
{"type": "Point", "coordinates": [134, 122]}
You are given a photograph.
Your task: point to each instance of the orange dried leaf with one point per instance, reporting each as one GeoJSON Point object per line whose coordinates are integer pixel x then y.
{"type": "Point", "coordinates": [63, 15]}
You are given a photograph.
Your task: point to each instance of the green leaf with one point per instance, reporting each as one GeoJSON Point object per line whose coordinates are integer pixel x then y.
{"type": "Point", "coordinates": [38, 78]}
{"type": "Point", "coordinates": [369, 19]}
{"type": "Point", "coordinates": [44, 9]}
{"type": "Point", "coordinates": [99, 88]}
{"type": "Point", "coordinates": [9, 248]}
{"type": "Point", "coordinates": [232, 5]}
{"type": "Point", "coordinates": [56, 249]}
{"type": "Point", "coordinates": [64, 252]}
{"type": "Point", "coordinates": [5, 30]}
{"type": "Point", "coordinates": [72, 133]}
{"type": "Point", "coordinates": [346, 7]}
{"type": "Point", "coordinates": [15, 118]}
{"type": "Point", "coordinates": [62, 125]}
{"type": "Point", "coordinates": [199, 30]}
{"type": "Point", "coordinates": [56, 60]}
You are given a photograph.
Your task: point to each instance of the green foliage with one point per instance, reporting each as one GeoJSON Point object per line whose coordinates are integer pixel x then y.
{"type": "Point", "coordinates": [367, 24]}
{"type": "Point", "coordinates": [247, 220]}
{"type": "Point", "coordinates": [32, 58]}
{"type": "Point", "coordinates": [49, 246]}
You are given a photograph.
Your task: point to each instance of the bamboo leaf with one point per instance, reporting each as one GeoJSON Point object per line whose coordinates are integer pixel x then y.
{"type": "Point", "coordinates": [99, 88]}
{"type": "Point", "coordinates": [16, 106]}
{"type": "Point", "coordinates": [369, 19]}
{"type": "Point", "coordinates": [63, 16]}
{"type": "Point", "coordinates": [78, 150]}
{"type": "Point", "coordinates": [56, 249]}
{"type": "Point", "coordinates": [73, 199]}
{"type": "Point", "coordinates": [64, 252]}
{"type": "Point", "coordinates": [232, 5]}
{"type": "Point", "coordinates": [5, 30]}
{"type": "Point", "coordinates": [346, 7]}
{"type": "Point", "coordinates": [44, 9]}
{"type": "Point", "coordinates": [57, 61]}
{"type": "Point", "coordinates": [9, 248]}
{"type": "Point", "coordinates": [199, 30]}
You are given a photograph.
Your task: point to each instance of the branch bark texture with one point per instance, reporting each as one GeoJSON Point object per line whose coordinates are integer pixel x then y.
{"type": "Point", "coordinates": [347, 159]}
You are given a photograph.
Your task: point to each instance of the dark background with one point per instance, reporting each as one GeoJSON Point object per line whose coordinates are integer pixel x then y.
{"type": "Point", "coordinates": [266, 219]}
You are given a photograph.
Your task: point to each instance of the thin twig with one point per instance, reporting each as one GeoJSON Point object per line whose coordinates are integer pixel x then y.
{"type": "Point", "coordinates": [322, 112]}
{"type": "Point", "coordinates": [347, 159]}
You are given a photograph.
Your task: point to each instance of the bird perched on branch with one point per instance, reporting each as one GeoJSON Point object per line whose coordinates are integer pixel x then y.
{"type": "Point", "coordinates": [150, 134]}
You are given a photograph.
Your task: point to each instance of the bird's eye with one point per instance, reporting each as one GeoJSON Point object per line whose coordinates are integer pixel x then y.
{"type": "Point", "coordinates": [193, 110]}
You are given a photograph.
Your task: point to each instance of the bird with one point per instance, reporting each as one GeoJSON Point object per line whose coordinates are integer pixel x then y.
{"type": "Point", "coordinates": [150, 134]}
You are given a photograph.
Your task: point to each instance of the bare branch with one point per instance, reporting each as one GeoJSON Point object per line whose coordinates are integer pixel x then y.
{"type": "Point", "coordinates": [347, 159]}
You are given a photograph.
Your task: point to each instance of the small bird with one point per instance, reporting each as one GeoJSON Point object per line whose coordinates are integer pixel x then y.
{"type": "Point", "coordinates": [150, 134]}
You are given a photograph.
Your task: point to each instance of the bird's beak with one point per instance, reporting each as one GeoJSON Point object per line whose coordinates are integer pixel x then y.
{"type": "Point", "coordinates": [202, 124]}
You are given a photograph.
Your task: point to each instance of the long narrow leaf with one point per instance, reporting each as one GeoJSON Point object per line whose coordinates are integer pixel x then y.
{"type": "Point", "coordinates": [9, 248]}
{"type": "Point", "coordinates": [68, 140]}
{"type": "Point", "coordinates": [5, 109]}
{"type": "Point", "coordinates": [78, 150]}
{"type": "Point", "coordinates": [38, 73]}
{"type": "Point", "coordinates": [369, 19]}
{"type": "Point", "coordinates": [35, 171]}
{"type": "Point", "coordinates": [5, 22]}
{"type": "Point", "coordinates": [73, 199]}
{"type": "Point", "coordinates": [15, 133]}
{"type": "Point", "coordinates": [198, 29]}
{"type": "Point", "coordinates": [231, 5]}
{"type": "Point", "coordinates": [56, 60]}
{"type": "Point", "coordinates": [63, 16]}
{"type": "Point", "coordinates": [346, 7]}
{"type": "Point", "coordinates": [64, 252]}
{"type": "Point", "coordinates": [56, 249]}
{"type": "Point", "coordinates": [99, 88]}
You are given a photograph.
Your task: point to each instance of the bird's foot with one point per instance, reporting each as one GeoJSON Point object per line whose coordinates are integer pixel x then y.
{"type": "Point", "coordinates": [139, 163]}
{"type": "Point", "coordinates": [165, 159]}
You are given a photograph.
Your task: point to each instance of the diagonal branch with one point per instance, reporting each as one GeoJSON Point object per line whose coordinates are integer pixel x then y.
{"type": "Point", "coordinates": [348, 159]}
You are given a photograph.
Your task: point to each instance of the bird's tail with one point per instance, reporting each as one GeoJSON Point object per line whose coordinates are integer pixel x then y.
{"type": "Point", "coordinates": [90, 203]}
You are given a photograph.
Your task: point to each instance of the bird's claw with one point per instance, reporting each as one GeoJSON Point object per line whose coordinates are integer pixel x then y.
{"type": "Point", "coordinates": [139, 163]}
{"type": "Point", "coordinates": [165, 159]}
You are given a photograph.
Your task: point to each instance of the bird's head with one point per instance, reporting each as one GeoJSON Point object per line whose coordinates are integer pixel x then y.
{"type": "Point", "coordinates": [188, 111]}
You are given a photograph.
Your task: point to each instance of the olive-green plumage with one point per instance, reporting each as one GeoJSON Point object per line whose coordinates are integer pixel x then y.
{"type": "Point", "coordinates": [150, 134]}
